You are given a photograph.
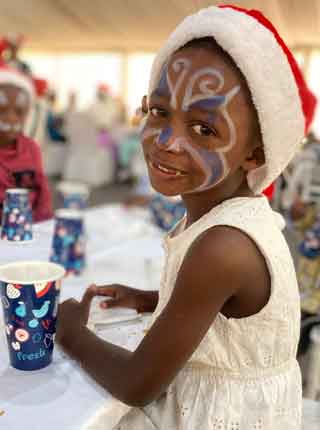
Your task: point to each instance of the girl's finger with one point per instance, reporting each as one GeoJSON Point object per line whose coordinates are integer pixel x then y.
{"type": "Point", "coordinates": [107, 304]}
{"type": "Point", "coordinates": [108, 290]}
{"type": "Point", "coordinates": [89, 294]}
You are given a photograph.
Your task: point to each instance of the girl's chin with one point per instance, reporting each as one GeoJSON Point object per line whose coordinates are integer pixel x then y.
{"type": "Point", "coordinates": [171, 190]}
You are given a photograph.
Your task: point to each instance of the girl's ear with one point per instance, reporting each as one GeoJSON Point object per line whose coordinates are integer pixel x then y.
{"type": "Point", "coordinates": [254, 159]}
{"type": "Point", "coordinates": [144, 104]}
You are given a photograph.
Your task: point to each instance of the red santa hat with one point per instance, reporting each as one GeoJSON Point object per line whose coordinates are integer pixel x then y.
{"type": "Point", "coordinates": [284, 104]}
{"type": "Point", "coordinates": [15, 39]}
{"type": "Point", "coordinates": [103, 88]}
{"type": "Point", "coordinates": [41, 86]}
{"type": "Point", "coordinates": [11, 76]}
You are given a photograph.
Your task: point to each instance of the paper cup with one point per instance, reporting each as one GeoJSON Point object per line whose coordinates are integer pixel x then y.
{"type": "Point", "coordinates": [68, 244]}
{"type": "Point", "coordinates": [74, 195]}
{"type": "Point", "coordinates": [30, 296]}
{"type": "Point", "coordinates": [17, 216]}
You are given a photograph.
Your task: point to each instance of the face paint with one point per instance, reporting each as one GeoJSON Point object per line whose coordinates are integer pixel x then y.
{"type": "Point", "coordinates": [22, 99]}
{"type": "Point", "coordinates": [3, 98]}
{"type": "Point", "coordinates": [180, 67]}
{"type": "Point", "coordinates": [213, 163]}
{"type": "Point", "coordinates": [164, 136]}
{"type": "Point", "coordinates": [162, 89]}
{"type": "Point", "coordinates": [208, 104]}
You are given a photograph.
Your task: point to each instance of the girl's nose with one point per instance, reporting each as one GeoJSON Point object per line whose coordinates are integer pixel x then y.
{"type": "Point", "coordinates": [168, 141]}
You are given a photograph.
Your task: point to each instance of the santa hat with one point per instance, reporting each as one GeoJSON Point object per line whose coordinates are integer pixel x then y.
{"type": "Point", "coordinates": [283, 102]}
{"type": "Point", "coordinates": [41, 86]}
{"type": "Point", "coordinates": [15, 39]}
{"type": "Point", "coordinates": [10, 76]}
{"type": "Point", "coordinates": [103, 88]}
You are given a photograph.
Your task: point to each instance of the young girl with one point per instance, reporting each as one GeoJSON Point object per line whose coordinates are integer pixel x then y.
{"type": "Point", "coordinates": [226, 112]}
{"type": "Point", "coordinates": [20, 157]}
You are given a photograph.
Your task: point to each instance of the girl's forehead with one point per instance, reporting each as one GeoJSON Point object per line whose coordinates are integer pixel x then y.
{"type": "Point", "coordinates": [198, 64]}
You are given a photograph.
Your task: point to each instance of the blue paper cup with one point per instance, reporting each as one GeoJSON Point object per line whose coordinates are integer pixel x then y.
{"type": "Point", "coordinates": [74, 195]}
{"type": "Point", "coordinates": [68, 244]}
{"type": "Point", "coordinates": [17, 216]}
{"type": "Point", "coordinates": [29, 294]}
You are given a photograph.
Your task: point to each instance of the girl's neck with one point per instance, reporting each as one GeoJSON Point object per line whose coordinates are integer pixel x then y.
{"type": "Point", "coordinates": [199, 204]}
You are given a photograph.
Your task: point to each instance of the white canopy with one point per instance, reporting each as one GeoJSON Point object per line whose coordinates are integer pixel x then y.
{"type": "Point", "coordinates": [74, 25]}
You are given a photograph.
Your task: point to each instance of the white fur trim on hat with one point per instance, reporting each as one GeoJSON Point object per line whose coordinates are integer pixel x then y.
{"type": "Point", "coordinates": [11, 77]}
{"type": "Point", "coordinates": [270, 79]}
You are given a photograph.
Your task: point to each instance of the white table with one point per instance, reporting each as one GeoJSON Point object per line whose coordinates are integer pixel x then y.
{"type": "Point", "coordinates": [122, 247]}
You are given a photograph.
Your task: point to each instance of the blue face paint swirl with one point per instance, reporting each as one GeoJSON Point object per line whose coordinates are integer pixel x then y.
{"type": "Point", "coordinates": [208, 103]}
{"type": "Point", "coordinates": [217, 170]}
{"type": "Point", "coordinates": [163, 87]}
{"type": "Point", "coordinates": [165, 135]}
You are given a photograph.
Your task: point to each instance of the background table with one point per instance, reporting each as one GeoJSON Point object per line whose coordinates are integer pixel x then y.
{"type": "Point", "coordinates": [123, 246]}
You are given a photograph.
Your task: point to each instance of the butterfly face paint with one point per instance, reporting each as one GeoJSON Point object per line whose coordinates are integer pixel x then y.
{"type": "Point", "coordinates": [203, 90]}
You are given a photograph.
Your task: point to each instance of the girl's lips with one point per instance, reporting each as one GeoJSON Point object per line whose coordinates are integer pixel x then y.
{"type": "Point", "coordinates": [165, 170]}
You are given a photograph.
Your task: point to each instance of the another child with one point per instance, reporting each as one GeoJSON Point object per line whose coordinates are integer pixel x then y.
{"type": "Point", "coordinates": [20, 157]}
{"type": "Point", "coordinates": [226, 113]}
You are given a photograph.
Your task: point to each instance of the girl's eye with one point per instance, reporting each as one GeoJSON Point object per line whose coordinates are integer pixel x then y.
{"type": "Point", "coordinates": [203, 130]}
{"type": "Point", "coordinates": [158, 112]}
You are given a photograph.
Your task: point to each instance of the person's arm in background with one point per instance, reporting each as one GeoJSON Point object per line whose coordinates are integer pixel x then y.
{"type": "Point", "coordinates": [54, 129]}
{"type": "Point", "coordinates": [43, 207]}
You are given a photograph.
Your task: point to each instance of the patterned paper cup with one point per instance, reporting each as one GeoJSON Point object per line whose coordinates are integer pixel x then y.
{"type": "Point", "coordinates": [68, 244]}
{"type": "Point", "coordinates": [29, 293]}
{"type": "Point", "coordinates": [74, 195]}
{"type": "Point", "coordinates": [17, 216]}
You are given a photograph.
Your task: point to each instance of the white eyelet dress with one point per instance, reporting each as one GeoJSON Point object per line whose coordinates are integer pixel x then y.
{"type": "Point", "coordinates": [244, 374]}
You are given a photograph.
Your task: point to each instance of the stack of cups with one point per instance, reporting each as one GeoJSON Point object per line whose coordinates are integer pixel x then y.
{"type": "Point", "coordinates": [29, 294]}
{"type": "Point", "coordinates": [68, 245]}
{"type": "Point", "coordinates": [74, 195]}
{"type": "Point", "coordinates": [17, 216]}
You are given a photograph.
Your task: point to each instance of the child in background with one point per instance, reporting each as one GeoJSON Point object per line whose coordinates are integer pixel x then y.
{"type": "Point", "coordinates": [20, 157]}
{"type": "Point", "coordinates": [227, 109]}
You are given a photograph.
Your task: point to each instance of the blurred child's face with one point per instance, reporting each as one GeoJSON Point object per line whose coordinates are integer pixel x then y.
{"type": "Point", "coordinates": [14, 107]}
{"type": "Point", "coordinates": [199, 124]}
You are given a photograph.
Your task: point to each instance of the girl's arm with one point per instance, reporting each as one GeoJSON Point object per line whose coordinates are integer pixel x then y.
{"type": "Point", "coordinates": [222, 266]}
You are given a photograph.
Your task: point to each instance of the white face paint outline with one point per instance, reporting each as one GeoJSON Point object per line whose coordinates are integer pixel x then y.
{"type": "Point", "coordinates": [182, 65]}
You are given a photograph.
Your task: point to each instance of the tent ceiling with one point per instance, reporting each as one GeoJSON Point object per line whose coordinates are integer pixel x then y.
{"type": "Point", "coordinates": [138, 24]}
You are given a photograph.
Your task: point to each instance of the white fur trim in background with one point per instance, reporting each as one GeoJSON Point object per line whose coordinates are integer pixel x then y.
{"type": "Point", "coordinates": [8, 77]}
{"type": "Point", "coordinates": [269, 76]}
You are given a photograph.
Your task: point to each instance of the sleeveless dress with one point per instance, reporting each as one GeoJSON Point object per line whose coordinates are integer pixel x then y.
{"type": "Point", "coordinates": [244, 374]}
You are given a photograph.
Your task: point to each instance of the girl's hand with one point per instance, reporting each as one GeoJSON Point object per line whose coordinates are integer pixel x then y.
{"type": "Point", "coordinates": [127, 297]}
{"type": "Point", "coordinates": [73, 316]}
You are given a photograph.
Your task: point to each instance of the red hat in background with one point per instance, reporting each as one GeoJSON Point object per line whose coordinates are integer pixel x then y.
{"type": "Point", "coordinates": [41, 86]}
{"type": "Point", "coordinates": [104, 88]}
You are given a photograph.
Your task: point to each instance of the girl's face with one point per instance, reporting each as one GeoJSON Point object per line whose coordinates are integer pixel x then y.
{"type": "Point", "coordinates": [197, 133]}
{"type": "Point", "coordinates": [14, 107]}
